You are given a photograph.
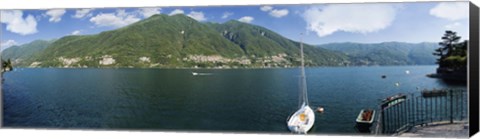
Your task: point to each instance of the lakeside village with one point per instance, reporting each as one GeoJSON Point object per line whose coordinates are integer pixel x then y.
{"type": "Point", "coordinates": [452, 61]}
{"type": "Point", "coordinates": [199, 61]}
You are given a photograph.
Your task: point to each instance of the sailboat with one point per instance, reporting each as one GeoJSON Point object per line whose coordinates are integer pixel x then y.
{"type": "Point", "coordinates": [302, 120]}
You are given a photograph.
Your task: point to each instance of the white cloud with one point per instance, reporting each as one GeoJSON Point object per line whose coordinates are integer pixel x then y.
{"type": "Point", "coordinates": [55, 15]}
{"type": "Point", "coordinates": [349, 18]}
{"type": "Point", "coordinates": [76, 32]}
{"type": "Point", "coordinates": [118, 19]}
{"type": "Point", "coordinates": [266, 8]}
{"type": "Point", "coordinates": [453, 25]}
{"type": "Point", "coordinates": [197, 16]}
{"type": "Point", "coordinates": [176, 11]}
{"type": "Point", "coordinates": [147, 12]}
{"type": "Point", "coordinates": [278, 13]}
{"type": "Point", "coordinates": [226, 15]}
{"type": "Point", "coordinates": [121, 12]}
{"type": "Point", "coordinates": [451, 10]}
{"type": "Point", "coordinates": [246, 19]}
{"type": "Point", "coordinates": [7, 44]}
{"type": "Point", "coordinates": [17, 24]}
{"type": "Point", "coordinates": [82, 13]}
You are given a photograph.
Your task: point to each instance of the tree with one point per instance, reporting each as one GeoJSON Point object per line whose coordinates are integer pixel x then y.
{"type": "Point", "coordinates": [450, 42]}
{"type": "Point", "coordinates": [439, 52]}
{"type": "Point", "coordinates": [461, 49]}
{"type": "Point", "coordinates": [7, 65]}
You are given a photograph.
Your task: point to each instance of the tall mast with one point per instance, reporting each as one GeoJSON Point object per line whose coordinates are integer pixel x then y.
{"type": "Point", "coordinates": [302, 76]}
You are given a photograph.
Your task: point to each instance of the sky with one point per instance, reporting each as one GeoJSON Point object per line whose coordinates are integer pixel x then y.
{"type": "Point", "coordinates": [321, 23]}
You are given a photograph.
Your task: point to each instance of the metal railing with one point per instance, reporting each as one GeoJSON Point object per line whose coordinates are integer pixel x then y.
{"type": "Point", "coordinates": [449, 106]}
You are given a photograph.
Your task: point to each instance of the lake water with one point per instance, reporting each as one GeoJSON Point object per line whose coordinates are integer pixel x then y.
{"type": "Point", "coordinates": [228, 100]}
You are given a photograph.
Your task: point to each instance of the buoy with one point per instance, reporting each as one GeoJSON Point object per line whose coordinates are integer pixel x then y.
{"type": "Point", "coordinates": [320, 109]}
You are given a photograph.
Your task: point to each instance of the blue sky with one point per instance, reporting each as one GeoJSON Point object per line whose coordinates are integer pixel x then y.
{"type": "Point", "coordinates": [323, 23]}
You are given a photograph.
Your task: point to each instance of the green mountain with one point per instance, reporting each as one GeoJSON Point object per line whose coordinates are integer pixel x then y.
{"type": "Point", "coordinates": [180, 41]}
{"type": "Point", "coordinates": [159, 41]}
{"type": "Point", "coordinates": [24, 53]}
{"type": "Point", "coordinates": [163, 41]}
{"type": "Point", "coordinates": [258, 42]}
{"type": "Point", "coordinates": [387, 53]}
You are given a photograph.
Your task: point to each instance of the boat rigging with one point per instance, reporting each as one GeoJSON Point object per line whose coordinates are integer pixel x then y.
{"type": "Point", "coordinates": [303, 119]}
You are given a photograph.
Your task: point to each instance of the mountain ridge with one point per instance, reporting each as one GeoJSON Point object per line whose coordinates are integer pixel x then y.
{"type": "Point", "coordinates": [386, 53]}
{"type": "Point", "coordinates": [178, 41]}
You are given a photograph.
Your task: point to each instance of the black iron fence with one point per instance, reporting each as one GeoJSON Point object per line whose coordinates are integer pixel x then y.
{"type": "Point", "coordinates": [430, 107]}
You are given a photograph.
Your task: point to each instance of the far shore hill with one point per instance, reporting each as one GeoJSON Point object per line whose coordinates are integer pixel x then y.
{"type": "Point", "coordinates": [209, 68]}
{"type": "Point", "coordinates": [179, 41]}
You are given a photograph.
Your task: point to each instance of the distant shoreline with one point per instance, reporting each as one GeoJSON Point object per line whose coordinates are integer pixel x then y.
{"type": "Point", "coordinates": [189, 68]}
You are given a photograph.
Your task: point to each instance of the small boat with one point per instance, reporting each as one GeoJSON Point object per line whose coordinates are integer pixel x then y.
{"type": "Point", "coordinates": [303, 119]}
{"type": "Point", "coordinates": [320, 109]}
{"type": "Point", "coordinates": [199, 73]}
{"type": "Point", "coordinates": [365, 120]}
{"type": "Point", "coordinates": [393, 100]}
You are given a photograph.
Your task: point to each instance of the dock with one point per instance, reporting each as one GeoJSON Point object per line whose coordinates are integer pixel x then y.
{"type": "Point", "coordinates": [434, 92]}
{"type": "Point", "coordinates": [445, 129]}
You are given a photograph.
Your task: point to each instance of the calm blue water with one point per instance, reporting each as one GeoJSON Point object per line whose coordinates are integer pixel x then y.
{"type": "Point", "coordinates": [233, 100]}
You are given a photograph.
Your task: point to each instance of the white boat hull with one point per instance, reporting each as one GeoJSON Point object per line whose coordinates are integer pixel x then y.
{"type": "Point", "coordinates": [301, 124]}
